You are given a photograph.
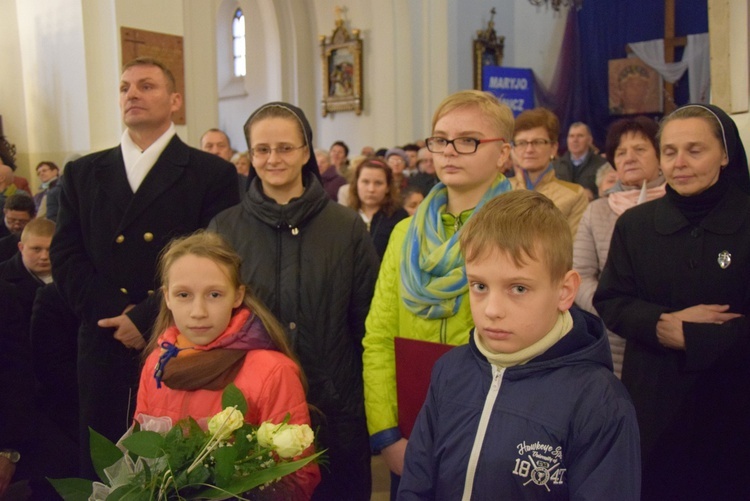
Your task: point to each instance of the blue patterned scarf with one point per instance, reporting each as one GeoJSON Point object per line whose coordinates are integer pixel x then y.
{"type": "Point", "coordinates": [433, 279]}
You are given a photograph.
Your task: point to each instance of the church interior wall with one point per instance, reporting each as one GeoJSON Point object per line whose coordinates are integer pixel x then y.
{"type": "Point", "coordinates": [61, 95]}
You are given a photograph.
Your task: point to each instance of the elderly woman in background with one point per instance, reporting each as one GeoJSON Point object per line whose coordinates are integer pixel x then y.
{"type": "Point", "coordinates": [633, 150]}
{"type": "Point", "coordinates": [374, 194]}
{"type": "Point", "coordinates": [534, 149]}
{"type": "Point", "coordinates": [606, 177]}
{"type": "Point", "coordinates": [677, 286]}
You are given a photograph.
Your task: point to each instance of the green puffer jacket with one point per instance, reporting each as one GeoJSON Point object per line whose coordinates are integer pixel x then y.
{"type": "Point", "coordinates": [388, 318]}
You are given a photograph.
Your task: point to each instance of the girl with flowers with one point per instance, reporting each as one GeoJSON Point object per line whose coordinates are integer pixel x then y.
{"type": "Point", "coordinates": [422, 292]}
{"type": "Point", "coordinates": [214, 332]}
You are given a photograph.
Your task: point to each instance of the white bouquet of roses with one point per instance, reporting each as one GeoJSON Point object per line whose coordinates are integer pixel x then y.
{"type": "Point", "coordinates": [158, 461]}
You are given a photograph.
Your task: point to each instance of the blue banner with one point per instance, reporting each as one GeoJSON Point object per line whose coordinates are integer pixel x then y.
{"type": "Point", "coordinates": [513, 86]}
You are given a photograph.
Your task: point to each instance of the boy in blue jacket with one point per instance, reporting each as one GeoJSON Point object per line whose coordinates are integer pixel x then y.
{"type": "Point", "coordinates": [530, 408]}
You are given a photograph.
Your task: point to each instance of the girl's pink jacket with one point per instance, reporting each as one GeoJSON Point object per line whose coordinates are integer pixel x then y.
{"type": "Point", "coordinates": [270, 382]}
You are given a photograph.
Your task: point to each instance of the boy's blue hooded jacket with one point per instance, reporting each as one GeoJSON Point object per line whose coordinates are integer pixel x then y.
{"type": "Point", "coordinates": [561, 426]}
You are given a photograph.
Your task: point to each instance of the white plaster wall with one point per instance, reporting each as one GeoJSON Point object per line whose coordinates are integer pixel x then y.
{"type": "Point", "coordinates": [536, 40]}
{"type": "Point", "coordinates": [102, 56]}
{"type": "Point", "coordinates": [12, 95]}
{"type": "Point", "coordinates": [200, 62]}
{"type": "Point", "coordinates": [387, 75]}
{"type": "Point", "coordinates": [53, 62]}
{"type": "Point", "coordinates": [423, 54]}
{"type": "Point", "coordinates": [416, 52]}
{"type": "Point", "coordinates": [264, 81]}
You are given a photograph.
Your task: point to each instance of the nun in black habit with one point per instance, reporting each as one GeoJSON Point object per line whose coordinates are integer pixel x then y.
{"type": "Point", "coordinates": [677, 286]}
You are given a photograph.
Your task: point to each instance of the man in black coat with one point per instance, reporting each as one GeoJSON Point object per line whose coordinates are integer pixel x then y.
{"type": "Point", "coordinates": [118, 210]}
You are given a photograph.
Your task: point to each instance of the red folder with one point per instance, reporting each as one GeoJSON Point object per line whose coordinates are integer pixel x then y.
{"type": "Point", "coordinates": [414, 361]}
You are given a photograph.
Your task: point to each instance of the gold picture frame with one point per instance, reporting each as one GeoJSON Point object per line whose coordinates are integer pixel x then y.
{"type": "Point", "coordinates": [341, 55]}
{"type": "Point", "coordinates": [488, 50]}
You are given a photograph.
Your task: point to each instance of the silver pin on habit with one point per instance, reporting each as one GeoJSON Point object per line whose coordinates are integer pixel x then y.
{"type": "Point", "coordinates": [724, 259]}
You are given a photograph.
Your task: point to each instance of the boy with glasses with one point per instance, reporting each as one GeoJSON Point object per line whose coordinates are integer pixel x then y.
{"type": "Point", "coordinates": [422, 293]}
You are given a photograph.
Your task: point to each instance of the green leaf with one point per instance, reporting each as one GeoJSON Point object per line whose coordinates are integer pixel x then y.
{"type": "Point", "coordinates": [198, 476]}
{"type": "Point", "coordinates": [257, 478]}
{"type": "Point", "coordinates": [175, 449]}
{"type": "Point", "coordinates": [148, 444]}
{"type": "Point", "coordinates": [73, 489]}
{"type": "Point", "coordinates": [224, 469]}
{"type": "Point", "coordinates": [232, 396]}
{"type": "Point", "coordinates": [103, 453]}
{"type": "Point", "coordinates": [241, 443]}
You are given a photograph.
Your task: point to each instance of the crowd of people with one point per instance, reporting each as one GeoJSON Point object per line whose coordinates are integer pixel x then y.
{"type": "Point", "coordinates": [598, 301]}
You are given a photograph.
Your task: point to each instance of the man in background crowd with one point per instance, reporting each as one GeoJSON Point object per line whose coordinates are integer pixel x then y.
{"type": "Point", "coordinates": [580, 163]}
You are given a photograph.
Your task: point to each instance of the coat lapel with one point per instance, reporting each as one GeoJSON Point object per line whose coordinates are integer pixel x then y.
{"type": "Point", "coordinates": [111, 177]}
{"type": "Point", "coordinates": [167, 170]}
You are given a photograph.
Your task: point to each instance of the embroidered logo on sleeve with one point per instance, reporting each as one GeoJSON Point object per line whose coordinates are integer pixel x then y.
{"type": "Point", "coordinates": [540, 464]}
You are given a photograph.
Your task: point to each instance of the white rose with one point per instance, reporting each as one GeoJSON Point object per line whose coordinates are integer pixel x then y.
{"type": "Point", "coordinates": [224, 423]}
{"type": "Point", "coordinates": [265, 434]}
{"type": "Point", "coordinates": [290, 440]}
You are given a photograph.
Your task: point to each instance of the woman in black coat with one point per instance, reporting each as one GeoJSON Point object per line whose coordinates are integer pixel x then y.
{"type": "Point", "coordinates": [677, 286]}
{"type": "Point", "coordinates": [375, 196]}
{"type": "Point", "coordinates": [313, 264]}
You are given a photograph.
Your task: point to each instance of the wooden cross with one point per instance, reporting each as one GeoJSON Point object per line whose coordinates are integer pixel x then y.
{"type": "Point", "coordinates": [670, 44]}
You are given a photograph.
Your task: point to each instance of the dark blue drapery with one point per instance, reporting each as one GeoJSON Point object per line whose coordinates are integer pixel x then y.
{"type": "Point", "coordinates": [599, 32]}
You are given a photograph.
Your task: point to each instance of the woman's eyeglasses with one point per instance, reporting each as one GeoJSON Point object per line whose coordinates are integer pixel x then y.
{"type": "Point", "coordinates": [263, 151]}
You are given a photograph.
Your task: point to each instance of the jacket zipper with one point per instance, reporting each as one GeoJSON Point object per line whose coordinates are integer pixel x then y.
{"type": "Point", "coordinates": [476, 449]}
{"type": "Point", "coordinates": [279, 257]}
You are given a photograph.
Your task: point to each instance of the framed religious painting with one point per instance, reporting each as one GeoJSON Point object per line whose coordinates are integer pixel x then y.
{"type": "Point", "coordinates": [634, 88]}
{"type": "Point", "coordinates": [341, 55]}
{"type": "Point", "coordinates": [488, 50]}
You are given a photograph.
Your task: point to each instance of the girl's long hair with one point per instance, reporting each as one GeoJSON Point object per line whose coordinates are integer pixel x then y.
{"type": "Point", "coordinates": [212, 246]}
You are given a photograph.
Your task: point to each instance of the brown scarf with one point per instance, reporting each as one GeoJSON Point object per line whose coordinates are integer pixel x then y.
{"type": "Point", "coordinates": [204, 370]}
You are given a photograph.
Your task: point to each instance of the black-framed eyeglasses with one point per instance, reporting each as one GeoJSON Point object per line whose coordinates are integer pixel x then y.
{"type": "Point", "coordinates": [462, 145]}
{"type": "Point", "coordinates": [282, 149]}
{"type": "Point", "coordinates": [536, 143]}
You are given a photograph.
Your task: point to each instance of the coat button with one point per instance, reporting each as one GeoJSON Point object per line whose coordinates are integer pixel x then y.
{"type": "Point", "coordinates": [292, 326]}
{"type": "Point", "coordinates": [124, 290]}
{"type": "Point", "coordinates": [148, 236]}
{"type": "Point", "coordinates": [120, 239]}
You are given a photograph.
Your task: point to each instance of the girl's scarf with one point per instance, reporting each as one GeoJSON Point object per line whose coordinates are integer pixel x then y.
{"type": "Point", "coordinates": [213, 366]}
{"type": "Point", "coordinates": [563, 325]}
{"type": "Point", "coordinates": [620, 201]}
{"type": "Point", "coordinates": [433, 279]}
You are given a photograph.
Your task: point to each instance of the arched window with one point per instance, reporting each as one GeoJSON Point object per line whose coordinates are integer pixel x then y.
{"type": "Point", "coordinates": [238, 43]}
